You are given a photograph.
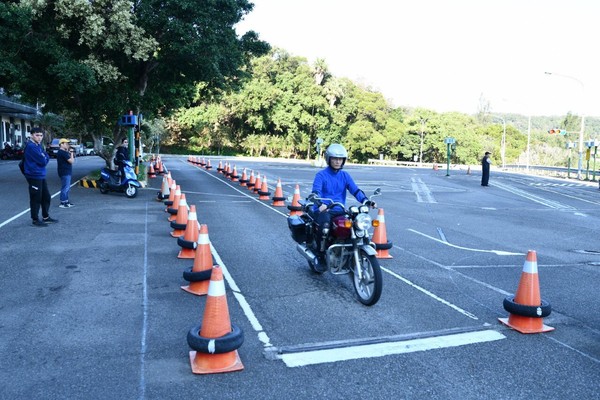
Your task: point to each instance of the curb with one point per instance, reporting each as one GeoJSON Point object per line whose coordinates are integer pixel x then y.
{"type": "Point", "coordinates": [86, 183]}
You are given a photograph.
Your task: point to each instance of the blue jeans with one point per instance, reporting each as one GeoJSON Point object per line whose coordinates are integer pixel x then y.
{"type": "Point", "coordinates": [65, 187]}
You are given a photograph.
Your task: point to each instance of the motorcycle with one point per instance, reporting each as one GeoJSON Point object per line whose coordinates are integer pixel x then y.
{"type": "Point", "coordinates": [110, 181]}
{"type": "Point", "coordinates": [349, 249]}
{"type": "Point", "coordinates": [12, 153]}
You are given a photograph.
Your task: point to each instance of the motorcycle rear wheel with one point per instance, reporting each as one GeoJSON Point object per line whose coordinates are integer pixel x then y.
{"type": "Point", "coordinates": [368, 289]}
{"type": "Point", "coordinates": [103, 186]}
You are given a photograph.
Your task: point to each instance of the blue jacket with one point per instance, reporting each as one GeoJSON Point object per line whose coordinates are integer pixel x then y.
{"type": "Point", "coordinates": [332, 184]}
{"type": "Point", "coordinates": [36, 160]}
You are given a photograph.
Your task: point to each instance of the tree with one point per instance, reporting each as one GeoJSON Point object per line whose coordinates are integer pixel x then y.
{"type": "Point", "coordinates": [101, 58]}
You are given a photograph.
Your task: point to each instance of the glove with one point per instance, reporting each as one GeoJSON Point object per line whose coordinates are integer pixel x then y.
{"type": "Point", "coordinates": [311, 197]}
{"type": "Point", "coordinates": [370, 203]}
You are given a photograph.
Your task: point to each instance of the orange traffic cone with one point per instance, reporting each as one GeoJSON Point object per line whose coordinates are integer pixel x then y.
{"type": "Point", "coordinates": [169, 201]}
{"type": "Point", "coordinates": [199, 274]}
{"type": "Point", "coordinates": [216, 340]}
{"type": "Point", "coordinates": [160, 167]}
{"type": "Point", "coordinates": [172, 210]}
{"type": "Point", "coordinates": [251, 181]}
{"type": "Point", "coordinates": [295, 208]}
{"type": "Point", "coordinates": [151, 172]}
{"type": "Point", "coordinates": [278, 199]}
{"type": "Point", "coordinates": [189, 240]}
{"type": "Point", "coordinates": [180, 224]}
{"type": "Point", "coordinates": [208, 166]}
{"type": "Point", "coordinates": [234, 175]}
{"type": "Point", "coordinates": [220, 167]}
{"type": "Point", "coordinates": [244, 178]}
{"type": "Point", "coordinates": [380, 237]}
{"type": "Point", "coordinates": [526, 307]}
{"type": "Point", "coordinates": [257, 184]}
{"type": "Point", "coordinates": [263, 193]}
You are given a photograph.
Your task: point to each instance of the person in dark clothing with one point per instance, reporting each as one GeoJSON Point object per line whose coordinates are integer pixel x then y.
{"type": "Point", "coordinates": [64, 161]}
{"type": "Point", "coordinates": [35, 161]}
{"type": "Point", "coordinates": [122, 156]}
{"type": "Point", "coordinates": [332, 183]}
{"type": "Point", "coordinates": [485, 169]}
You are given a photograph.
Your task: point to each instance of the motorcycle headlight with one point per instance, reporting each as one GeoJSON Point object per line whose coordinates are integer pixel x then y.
{"type": "Point", "coordinates": [362, 222]}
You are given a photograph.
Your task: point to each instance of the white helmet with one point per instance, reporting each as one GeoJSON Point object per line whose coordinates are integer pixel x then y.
{"type": "Point", "coordinates": [336, 150]}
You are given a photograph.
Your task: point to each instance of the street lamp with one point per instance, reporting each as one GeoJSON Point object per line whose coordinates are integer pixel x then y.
{"type": "Point", "coordinates": [580, 162]}
{"type": "Point", "coordinates": [503, 143]}
{"type": "Point", "coordinates": [528, 134]}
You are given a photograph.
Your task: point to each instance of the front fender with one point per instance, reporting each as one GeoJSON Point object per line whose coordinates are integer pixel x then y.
{"type": "Point", "coordinates": [368, 249]}
{"type": "Point", "coordinates": [132, 183]}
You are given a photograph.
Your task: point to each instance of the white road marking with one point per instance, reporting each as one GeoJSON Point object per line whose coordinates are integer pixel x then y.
{"type": "Point", "coordinates": [385, 349]}
{"type": "Point", "coordinates": [497, 252]}
{"type": "Point", "coordinates": [422, 191]}
{"type": "Point", "coordinates": [428, 293]}
{"type": "Point", "coordinates": [534, 198]}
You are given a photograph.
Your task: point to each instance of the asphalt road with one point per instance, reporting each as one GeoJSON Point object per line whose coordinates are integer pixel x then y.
{"type": "Point", "coordinates": [91, 307]}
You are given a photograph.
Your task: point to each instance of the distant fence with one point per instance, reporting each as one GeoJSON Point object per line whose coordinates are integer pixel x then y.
{"type": "Point", "coordinates": [538, 170]}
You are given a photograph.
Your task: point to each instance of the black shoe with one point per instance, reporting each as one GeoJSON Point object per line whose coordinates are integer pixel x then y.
{"type": "Point", "coordinates": [320, 264]}
{"type": "Point", "coordinates": [37, 222]}
{"type": "Point", "coordinates": [50, 220]}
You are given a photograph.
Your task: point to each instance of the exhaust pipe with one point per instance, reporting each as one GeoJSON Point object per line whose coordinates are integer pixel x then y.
{"type": "Point", "coordinates": [306, 252]}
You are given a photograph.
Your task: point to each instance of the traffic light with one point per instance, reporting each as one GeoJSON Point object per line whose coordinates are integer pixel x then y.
{"type": "Point", "coordinates": [557, 132]}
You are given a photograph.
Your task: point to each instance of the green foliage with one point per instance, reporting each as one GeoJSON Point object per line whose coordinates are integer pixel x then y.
{"type": "Point", "coordinates": [92, 61]}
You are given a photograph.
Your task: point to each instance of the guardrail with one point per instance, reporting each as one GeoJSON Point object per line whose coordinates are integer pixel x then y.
{"type": "Point", "coordinates": [538, 170]}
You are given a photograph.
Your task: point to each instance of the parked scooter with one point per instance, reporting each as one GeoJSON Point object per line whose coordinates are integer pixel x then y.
{"type": "Point", "coordinates": [112, 181]}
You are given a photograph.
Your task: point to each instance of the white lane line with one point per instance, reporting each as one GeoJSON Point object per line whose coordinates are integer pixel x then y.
{"type": "Point", "coordinates": [428, 293]}
{"type": "Point", "coordinates": [497, 252]}
{"type": "Point", "coordinates": [143, 344]}
{"type": "Point", "coordinates": [243, 192]}
{"type": "Point", "coordinates": [262, 335]}
{"type": "Point", "coordinates": [532, 197]}
{"type": "Point", "coordinates": [422, 191]}
{"type": "Point", "coordinates": [437, 264]}
{"type": "Point", "coordinates": [27, 210]}
{"type": "Point", "coordinates": [386, 349]}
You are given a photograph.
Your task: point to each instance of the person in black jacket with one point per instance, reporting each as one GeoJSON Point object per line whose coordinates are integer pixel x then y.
{"type": "Point", "coordinates": [122, 156]}
{"type": "Point", "coordinates": [64, 162]}
{"type": "Point", "coordinates": [485, 169]}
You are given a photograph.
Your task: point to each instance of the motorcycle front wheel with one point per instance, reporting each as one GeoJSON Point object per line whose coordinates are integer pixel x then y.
{"type": "Point", "coordinates": [131, 191]}
{"type": "Point", "coordinates": [368, 289]}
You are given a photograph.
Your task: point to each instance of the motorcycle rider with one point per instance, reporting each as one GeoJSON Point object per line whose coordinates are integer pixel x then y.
{"type": "Point", "coordinates": [122, 156]}
{"type": "Point", "coordinates": [332, 183]}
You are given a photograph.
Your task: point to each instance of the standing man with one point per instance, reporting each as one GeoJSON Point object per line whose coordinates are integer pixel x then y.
{"type": "Point", "coordinates": [485, 169]}
{"type": "Point", "coordinates": [35, 161]}
{"type": "Point", "coordinates": [64, 161]}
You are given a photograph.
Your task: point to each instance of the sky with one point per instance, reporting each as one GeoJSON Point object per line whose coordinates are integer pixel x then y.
{"type": "Point", "coordinates": [445, 55]}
